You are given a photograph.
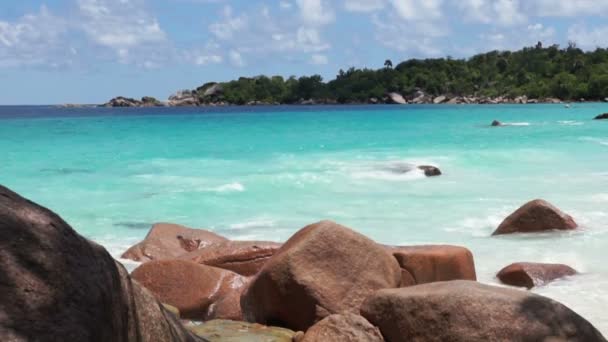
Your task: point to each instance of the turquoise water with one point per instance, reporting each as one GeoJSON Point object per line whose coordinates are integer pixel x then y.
{"type": "Point", "coordinates": [263, 173]}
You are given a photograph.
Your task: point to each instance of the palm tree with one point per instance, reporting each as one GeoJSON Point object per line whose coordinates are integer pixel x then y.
{"type": "Point", "coordinates": [388, 64]}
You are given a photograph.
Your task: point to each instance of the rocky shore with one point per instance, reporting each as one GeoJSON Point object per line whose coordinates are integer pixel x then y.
{"type": "Point", "coordinates": [211, 95]}
{"type": "Point", "coordinates": [326, 283]}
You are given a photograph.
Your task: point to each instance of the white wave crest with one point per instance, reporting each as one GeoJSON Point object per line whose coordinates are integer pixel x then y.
{"type": "Point", "coordinates": [231, 187]}
{"type": "Point", "coordinates": [595, 140]}
{"type": "Point", "coordinates": [256, 223]}
{"type": "Point", "coordinates": [570, 123]}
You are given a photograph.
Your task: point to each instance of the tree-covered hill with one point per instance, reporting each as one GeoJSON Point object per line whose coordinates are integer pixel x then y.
{"type": "Point", "coordinates": [535, 72]}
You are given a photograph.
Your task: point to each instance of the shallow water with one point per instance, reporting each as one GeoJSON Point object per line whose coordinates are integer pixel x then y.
{"type": "Point", "coordinates": [264, 172]}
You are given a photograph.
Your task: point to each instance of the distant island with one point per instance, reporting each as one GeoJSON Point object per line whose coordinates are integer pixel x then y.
{"type": "Point", "coordinates": [531, 75]}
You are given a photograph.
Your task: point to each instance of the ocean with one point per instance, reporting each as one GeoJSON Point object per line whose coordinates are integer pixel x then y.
{"type": "Point", "coordinates": [264, 172]}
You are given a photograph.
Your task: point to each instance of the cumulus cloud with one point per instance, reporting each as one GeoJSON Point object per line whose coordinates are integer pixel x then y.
{"type": "Point", "coordinates": [363, 5]}
{"type": "Point", "coordinates": [588, 38]}
{"type": "Point", "coordinates": [319, 59]}
{"type": "Point", "coordinates": [35, 39]}
{"type": "Point", "coordinates": [315, 12]}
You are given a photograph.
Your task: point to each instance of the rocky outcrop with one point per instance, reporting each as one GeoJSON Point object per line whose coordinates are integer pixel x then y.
{"type": "Point", "coordinates": [396, 98]}
{"type": "Point", "coordinates": [56, 285]}
{"type": "Point", "coordinates": [496, 123]}
{"type": "Point", "coordinates": [145, 101]}
{"type": "Point", "coordinates": [440, 99]}
{"type": "Point", "coordinates": [230, 331]}
{"type": "Point", "coordinates": [602, 117]}
{"type": "Point", "coordinates": [243, 257]}
{"type": "Point", "coordinates": [432, 263]}
{"type": "Point", "coordinates": [529, 275]}
{"type": "Point", "coordinates": [184, 98]}
{"type": "Point", "coordinates": [430, 170]}
{"type": "Point", "coordinates": [190, 287]}
{"type": "Point", "coordinates": [169, 241]}
{"type": "Point", "coordinates": [469, 311]}
{"type": "Point", "coordinates": [323, 269]}
{"type": "Point", "coordinates": [121, 101]}
{"type": "Point", "coordinates": [536, 216]}
{"type": "Point", "coordinates": [346, 327]}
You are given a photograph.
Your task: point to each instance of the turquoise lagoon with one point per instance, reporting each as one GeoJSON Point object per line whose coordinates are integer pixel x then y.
{"type": "Point", "coordinates": [264, 172]}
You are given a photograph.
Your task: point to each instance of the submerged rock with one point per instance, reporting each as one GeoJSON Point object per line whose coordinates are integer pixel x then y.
{"type": "Point", "coordinates": [190, 287]}
{"type": "Point", "coordinates": [169, 241]}
{"type": "Point", "coordinates": [496, 123]}
{"type": "Point", "coordinates": [430, 170]}
{"type": "Point", "coordinates": [232, 331]}
{"type": "Point", "coordinates": [346, 327]}
{"type": "Point", "coordinates": [536, 216]}
{"type": "Point", "coordinates": [243, 257]}
{"type": "Point", "coordinates": [431, 263]}
{"type": "Point", "coordinates": [56, 285]}
{"type": "Point", "coordinates": [602, 117]}
{"type": "Point", "coordinates": [323, 269]}
{"type": "Point", "coordinates": [463, 310]}
{"type": "Point", "coordinates": [529, 275]}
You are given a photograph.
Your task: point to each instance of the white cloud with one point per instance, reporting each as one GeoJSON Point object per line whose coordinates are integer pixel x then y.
{"type": "Point", "coordinates": [501, 12]}
{"type": "Point", "coordinates": [121, 25]}
{"type": "Point", "coordinates": [315, 12]}
{"type": "Point", "coordinates": [285, 5]}
{"type": "Point", "coordinates": [363, 5]}
{"type": "Point", "coordinates": [568, 8]}
{"type": "Point", "coordinates": [34, 40]}
{"type": "Point", "coordinates": [236, 58]}
{"type": "Point", "coordinates": [231, 24]}
{"type": "Point", "coordinates": [318, 59]}
{"type": "Point", "coordinates": [418, 10]}
{"type": "Point", "coordinates": [588, 38]}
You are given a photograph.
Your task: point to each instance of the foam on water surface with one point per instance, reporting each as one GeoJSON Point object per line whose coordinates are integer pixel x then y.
{"type": "Point", "coordinates": [263, 173]}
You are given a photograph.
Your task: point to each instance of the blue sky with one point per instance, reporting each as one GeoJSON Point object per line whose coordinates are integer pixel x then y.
{"type": "Point", "coordinates": [87, 51]}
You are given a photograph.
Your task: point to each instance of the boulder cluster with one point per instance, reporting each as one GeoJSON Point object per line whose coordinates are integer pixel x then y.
{"type": "Point", "coordinates": [145, 101]}
{"type": "Point", "coordinates": [326, 283]}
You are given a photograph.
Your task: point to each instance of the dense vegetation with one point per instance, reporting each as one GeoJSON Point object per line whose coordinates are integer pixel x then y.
{"type": "Point", "coordinates": [538, 72]}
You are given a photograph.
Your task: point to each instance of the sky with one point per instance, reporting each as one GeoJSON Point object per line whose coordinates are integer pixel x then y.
{"type": "Point", "coordinates": [88, 51]}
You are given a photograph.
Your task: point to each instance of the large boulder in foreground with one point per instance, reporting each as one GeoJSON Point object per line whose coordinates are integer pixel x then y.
{"type": "Point", "coordinates": [243, 257]}
{"type": "Point", "coordinates": [324, 268]}
{"type": "Point", "coordinates": [431, 263]}
{"type": "Point", "coordinates": [536, 216]}
{"type": "Point", "coordinates": [169, 241]}
{"type": "Point", "coordinates": [190, 287]}
{"type": "Point", "coordinates": [230, 331]}
{"type": "Point", "coordinates": [347, 327]}
{"type": "Point", "coordinates": [529, 274]}
{"type": "Point", "coordinates": [463, 310]}
{"type": "Point", "coordinates": [56, 285]}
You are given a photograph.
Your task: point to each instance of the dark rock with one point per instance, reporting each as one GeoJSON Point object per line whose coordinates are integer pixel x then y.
{"type": "Point", "coordinates": [463, 310]}
{"type": "Point", "coordinates": [536, 216]}
{"type": "Point", "coordinates": [243, 257]}
{"type": "Point", "coordinates": [323, 269]}
{"type": "Point", "coordinates": [347, 327]}
{"type": "Point", "coordinates": [496, 123]}
{"type": "Point", "coordinates": [169, 241]}
{"type": "Point", "coordinates": [231, 331]}
{"type": "Point", "coordinates": [56, 285]}
{"type": "Point", "coordinates": [122, 102]}
{"type": "Point", "coordinates": [190, 287]}
{"type": "Point", "coordinates": [602, 117]}
{"type": "Point", "coordinates": [527, 274]}
{"type": "Point", "coordinates": [148, 101]}
{"type": "Point", "coordinates": [430, 171]}
{"type": "Point", "coordinates": [431, 263]}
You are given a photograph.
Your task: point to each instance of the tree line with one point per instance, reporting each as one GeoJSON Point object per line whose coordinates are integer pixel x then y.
{"type": "Point", "coordinates": [538, 72]}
